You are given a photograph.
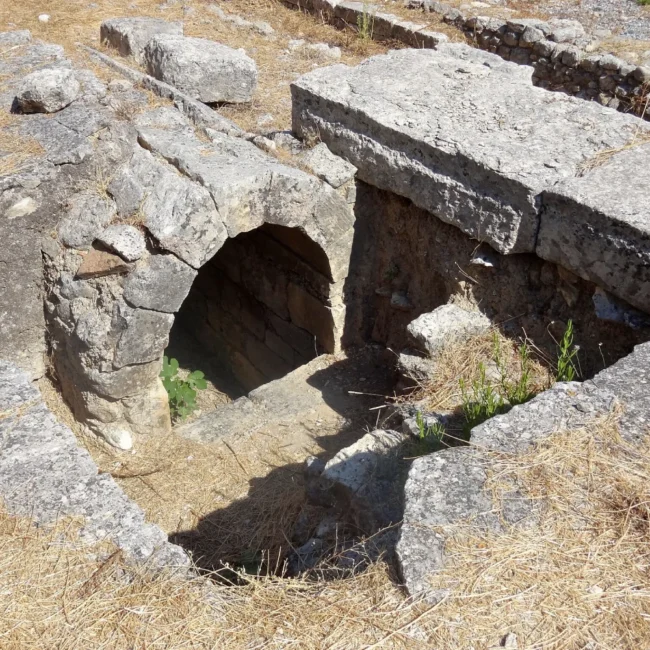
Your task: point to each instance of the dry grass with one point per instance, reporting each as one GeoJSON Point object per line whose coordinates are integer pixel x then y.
{"type": "Point", "coordinates": [640, 137]}
{"type": "Point", "coordinates": [461, 361]}
{"type": "Point", "coordinates": [577, 580]}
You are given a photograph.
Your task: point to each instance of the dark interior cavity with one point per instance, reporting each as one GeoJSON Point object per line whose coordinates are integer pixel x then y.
{"type": "Point", "coordinates": [260, 307]}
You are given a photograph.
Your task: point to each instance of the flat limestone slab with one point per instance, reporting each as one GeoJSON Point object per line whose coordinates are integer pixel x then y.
{"type": "Point", "coordinates": [598, 225]}
{"type": "Point", "coordinates": [460, 132]}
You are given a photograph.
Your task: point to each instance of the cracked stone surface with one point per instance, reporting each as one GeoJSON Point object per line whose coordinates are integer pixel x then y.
{"type": "Point", "coordinates": [45, 475]}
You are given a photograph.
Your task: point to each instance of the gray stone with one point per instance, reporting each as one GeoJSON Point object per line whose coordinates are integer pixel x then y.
{"type": "Point", "coordinates": [328, 167]}
{"type": "Point", "coordinates": [445, 325]}
{"type": "Point", "coordinates": [608, 307]}
{"type": "Point", "coordinates": [130, 35]}
{"type": "Point", "coordinates": [87, 216]}
{"type": "Point", "coordinates": [205, 70]}
{"type": "Point", "coordinates": [161, 283]}
{"type": "Point", "coordinates": [565, 31]}
{"type": "Point", "coordinates": [364, 479]}
{"type": "Point", "coordinates": [180, 214]}
{"type": "Point", "coordinates": [411, 427]}
{"type": "Point", "coordinates": [47, 91]}
{"type": "Point", "coordinates": [592, 229]}
{"type": "Point", "coordinates": [144, 335]}
{"type": "Point", "coordinates": [446, 128]}
{"type": "Point", "coordinates": [44, 475]}
{"type": "Point", "coordinates": [18, 37]}
{"type": "Point", "coordinates": [127, 241]}
{"type": "Point", "coordinates": [415, 368]}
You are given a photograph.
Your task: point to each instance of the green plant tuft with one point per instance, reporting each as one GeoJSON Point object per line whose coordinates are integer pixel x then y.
{"type": "Point", "coordinates": [365, 23]}
{"type": "Point", "coordinates": [567, 356]}
{"type": "Point", "coordinates": [429, 432]}
{"type": "Point", "coordinates": [181, 392]}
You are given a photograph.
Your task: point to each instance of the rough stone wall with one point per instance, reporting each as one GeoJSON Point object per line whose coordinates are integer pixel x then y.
{"type": "Point", "coordinates": [555, 49]}
{"type": "Point", "coordinates": [406, 261]}
{"type": "Point", "coordinates": [261, 306]}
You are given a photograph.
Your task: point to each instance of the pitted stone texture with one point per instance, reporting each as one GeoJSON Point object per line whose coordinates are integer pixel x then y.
{"type": "Point", "coordinates": [321, 162]}
{"type": "Point", "coordinates": [180, 214]}
{"type": "Point", "coordinates": [145, 333]}
{"type": "Point", "coordinates": [460, 132]}
{"type": "Point", "coordinates": [364, 479]}
{"type": "Point", "coordinates": [88, 214]}
{"type": "Point", "coordinates": [205, 70]}
{"type": "Point", "coordinates": [130, 35]}
{"type": "Point", "coordinates": [45, 475]}
{"type": "Point", "coordinates": [446, 488]}
{"type": "Point", "coordinates": [127, 241]}
{"type": "Point", "coordinates": [47, 91]}
{"type": "Point", "coordinates": [19, 37]}
{"type": "Point", "coordinates": [599, 232]}
{"type": "Point", "coordinates": [249, 188]}
{"type": "Point", "coordinates": [444, 325]}
{"type": "Point", "coordinates": [161, 283]}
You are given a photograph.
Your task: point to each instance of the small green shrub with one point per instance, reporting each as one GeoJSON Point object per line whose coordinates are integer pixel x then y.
{"type": "Point", "coordinates": [643, 3]}
{"type": "Point", "coordinates": [365, 24]}
{"type": "Point", "coordinates": [567, 356]}
{"type": "Point", "coordinates": [181, 392]}
{"type": "Point", "coordinates": [428, 432]}
{"type": "Point", "coordinates": [482, 400]}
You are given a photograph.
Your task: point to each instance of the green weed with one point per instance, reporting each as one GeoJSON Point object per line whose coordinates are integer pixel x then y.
{"type": "Point", "coordinates": [181, 392]}
{"type": "Point", "coordinates": [365, 24]}
{"type": "Point", "coordinates": [567, 355]}
{"type": "Point", "coordinates": [429, 432]}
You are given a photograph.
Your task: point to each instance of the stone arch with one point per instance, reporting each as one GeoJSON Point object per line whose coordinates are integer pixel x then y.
{"type": "Point", "coordinates": [110, 326]}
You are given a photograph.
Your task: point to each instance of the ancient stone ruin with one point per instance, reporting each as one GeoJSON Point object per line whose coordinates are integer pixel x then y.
{"type": "Point", "coordinates": [422, 197]}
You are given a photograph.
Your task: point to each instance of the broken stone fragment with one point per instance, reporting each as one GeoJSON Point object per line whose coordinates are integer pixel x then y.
{"type": "Point", "coordinates": [47, 91]}
{"type": "Point", "coordinates": [87, 215]}
{"type": "Point", "coordinates": [205, 70]}
{"type": "Point", "coordinates": [161, 284]}
{"type": "Point", "coordinates": [364, 479]}
{"type": "Point", "coordinates": [130, 35]}
{"type": "Point", "coordinates": [445, 325]}
{"type": "Point", "coordinates": [332, 169]}
{"type": "Point", "coordinates": [127, 241]}
{"type": "Point", "coordinates": [610, 308]}
{"type": "Point", "coordinates": [97, 264]}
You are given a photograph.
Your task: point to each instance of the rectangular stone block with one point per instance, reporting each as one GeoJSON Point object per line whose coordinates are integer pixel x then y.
{"type": "Point", "coordinates": [598, 225]}
{"type": "Point", "coordinates": [460, 132]}
{"type": "Point", "coordinates": [265, 360]}
{"type": "Point", "coordinates": [299, 339]}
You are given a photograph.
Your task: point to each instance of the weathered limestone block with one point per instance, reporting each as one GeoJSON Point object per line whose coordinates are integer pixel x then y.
{"type": "Point", "coordinates": [88, 214]}
{"type": "Point", "coordinates": [160, 283]}
{"type": "Point", "coordinates": [445, 325]}
{"type": "Point", "coordinates": [45, 475]}
{"type": "Point", "coordinates": [205, 70]}
{"type": "Point", "coordinates": [148, 412]}
{"type": "Point", "coordinates": [321, 162]}
{"type": "Point", "coordinates": [447, 488]}
{"type": "Point", "coordinates": [460, 132]}
{"type": "Point", "coordinates": [127, 241]}
{"type": "Point", "coordinates": [363, 480]}
{"type": "Point", "coordinates": [47, 91]}
{"type": "Point", "coordinates": [145, 333]}
{"type": "Point", "coordinates": [180, 214]}
{"type": "Point", "coordinates": [130, 35]}
{"type": "Point", "coordinates": [598, 225]}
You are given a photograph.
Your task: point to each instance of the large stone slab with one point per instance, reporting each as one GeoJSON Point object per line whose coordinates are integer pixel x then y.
{"type": "Point", "coordinates": [205, 70]}
{"type": "Point", "coordinates": [598, 225]}
{"type": "Point", "coordinates": [460, 132]}
{"type": "Point", "coordinates": [130, 35]}
{"type": "Point", "coordinates": [45, 475]}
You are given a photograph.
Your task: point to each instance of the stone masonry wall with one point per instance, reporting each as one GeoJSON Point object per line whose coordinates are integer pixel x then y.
{"type": "Point", "coordinates": [261, 305]}
{"type": "Point", "coordinates": [555, 49]}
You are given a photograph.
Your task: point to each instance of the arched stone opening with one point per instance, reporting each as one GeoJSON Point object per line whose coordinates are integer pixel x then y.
{"type": "Point", "coordinates": [259, 308]}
